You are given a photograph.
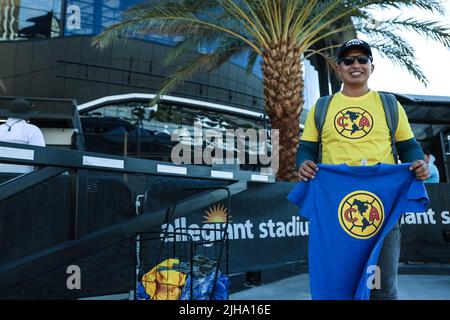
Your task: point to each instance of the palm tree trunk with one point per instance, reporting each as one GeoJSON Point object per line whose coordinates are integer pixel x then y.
{"type": "Point", "coordinates": [283, 94]}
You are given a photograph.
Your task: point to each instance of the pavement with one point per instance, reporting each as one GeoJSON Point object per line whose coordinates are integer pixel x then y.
{"type": "Point", "coordinates": [416, 281]}
{"type": "Point", "coordinates": [411, 287]}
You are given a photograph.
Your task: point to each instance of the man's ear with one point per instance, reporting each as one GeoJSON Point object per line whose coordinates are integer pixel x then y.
{"type": "Point", "coordinates": [373, 68]}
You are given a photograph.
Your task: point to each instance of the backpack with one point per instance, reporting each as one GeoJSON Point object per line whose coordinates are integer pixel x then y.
{"type": "Point", "coordinates": [390, 110]}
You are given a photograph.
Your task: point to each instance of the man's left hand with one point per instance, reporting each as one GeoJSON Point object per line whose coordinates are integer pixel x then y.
{"type": "Point", "coordinates": [420, 168]}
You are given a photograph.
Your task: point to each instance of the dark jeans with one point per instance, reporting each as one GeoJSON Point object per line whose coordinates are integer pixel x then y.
{"type": "Point", "coordinates": [388, 263]}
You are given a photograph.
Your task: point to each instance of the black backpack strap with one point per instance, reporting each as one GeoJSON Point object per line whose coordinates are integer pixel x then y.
{"type": "Point", "coordinates": [320, 115]}
{"type": "Point", "coordinates": [390, 106]}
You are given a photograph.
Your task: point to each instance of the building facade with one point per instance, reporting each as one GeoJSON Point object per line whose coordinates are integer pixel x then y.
{"type": "Point", "coordinates": [63, 64]}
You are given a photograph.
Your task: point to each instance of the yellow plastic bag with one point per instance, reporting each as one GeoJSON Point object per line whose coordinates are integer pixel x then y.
{"type": "Point", "coordinates": [163, 282]}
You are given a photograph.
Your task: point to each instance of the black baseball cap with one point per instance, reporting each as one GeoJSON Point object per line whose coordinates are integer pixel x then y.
{"type": "Point", "coordinates": [354, 44]}
{"type": "Point", "coordinates": [19, 108]}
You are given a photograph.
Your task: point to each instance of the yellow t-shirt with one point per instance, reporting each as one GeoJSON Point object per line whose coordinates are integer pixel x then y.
{"type": "Point", "coordinates": [355, 128]}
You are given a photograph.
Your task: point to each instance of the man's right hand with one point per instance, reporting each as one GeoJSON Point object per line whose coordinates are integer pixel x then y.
{"type": "Point", "coordinates": [307, 170]}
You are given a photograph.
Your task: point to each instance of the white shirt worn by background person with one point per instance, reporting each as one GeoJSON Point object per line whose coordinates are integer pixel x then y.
{"type": "Point", "coordinates": [21, 132]}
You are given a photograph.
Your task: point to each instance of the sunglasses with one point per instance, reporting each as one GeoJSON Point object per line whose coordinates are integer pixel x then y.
{"type": "Point", "coordinates": [348, 61]}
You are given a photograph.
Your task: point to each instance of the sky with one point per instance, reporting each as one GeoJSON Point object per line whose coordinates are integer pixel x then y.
{"type": "Point", "coordinates": [432, 57]}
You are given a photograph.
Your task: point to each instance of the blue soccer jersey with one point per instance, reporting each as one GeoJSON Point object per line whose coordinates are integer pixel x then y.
{"type": "Point", "coordinates": [351, 209]}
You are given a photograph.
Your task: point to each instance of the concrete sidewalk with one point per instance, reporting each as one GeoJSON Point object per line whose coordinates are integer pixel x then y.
{"type": "Point", "coordinates": [411, 287]}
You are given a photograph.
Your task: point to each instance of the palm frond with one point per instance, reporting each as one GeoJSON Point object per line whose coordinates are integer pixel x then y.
{"type": "Point", "coordinates": [379, 35]}
{"type": "Point", "coordinates": [251, 60]}
{"type": "Point", "coordinates": [429, 29]}
{"type": "Point", "coordinates": [303, 13]}
{"type": "Point", "coordinates": [329, 34]}
{"type": "Point", "coordinates": [234, 26]}
{"type": "Point", "coordinates": [326, 18]}
{"type": "Point", "coordinates": [206, 62]}
{"type": "Point", "coordinates": [247, 21]}
{"type": "Point", "coordinates": [192, 43]}
{"type": "Point", "coordinates": [170, 18]}
{"type": "Point", "coordinates": [330, 60]}
{"type": "Point", "coordinates": [434, 6]}
{"type": "Point", "coordinates": [397, 56]}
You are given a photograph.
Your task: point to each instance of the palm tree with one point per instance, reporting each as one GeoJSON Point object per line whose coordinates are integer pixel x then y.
{"type": "Point", "coordinates": [281, 32]}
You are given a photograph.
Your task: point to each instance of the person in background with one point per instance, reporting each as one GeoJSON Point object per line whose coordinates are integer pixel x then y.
{"type": "Point", "coordinates": [434, 172]}
{"type": "Point", "coordinates": [18, 130]}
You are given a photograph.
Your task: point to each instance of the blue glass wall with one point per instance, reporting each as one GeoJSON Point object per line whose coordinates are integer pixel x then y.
{"type": "Point", "coordinates": [99, 14]}
{"type": "Point", "coordinates": [23, 19]}
{"type": "Point", "coordinates": [42, 19]}
{"type": "Point", "coordinates": [96, 15]}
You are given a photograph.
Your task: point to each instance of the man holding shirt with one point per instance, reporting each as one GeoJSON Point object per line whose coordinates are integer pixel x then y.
{"type": "Point", "coordinates": [355, 132]}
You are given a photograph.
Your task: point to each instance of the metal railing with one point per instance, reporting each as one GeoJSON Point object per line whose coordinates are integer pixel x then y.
{"type": "Point", "coordinates": [54, 162]}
